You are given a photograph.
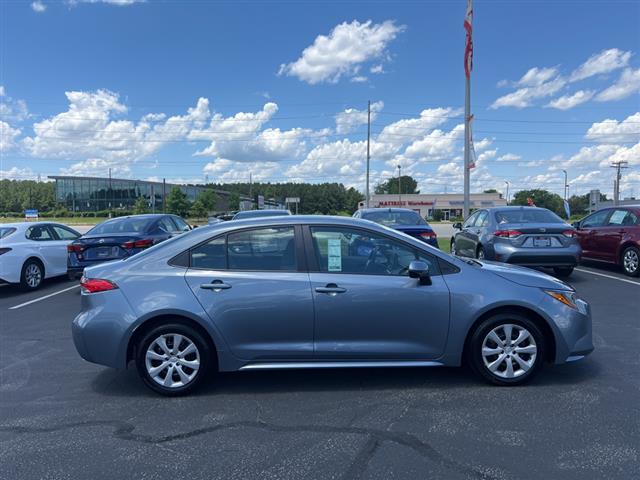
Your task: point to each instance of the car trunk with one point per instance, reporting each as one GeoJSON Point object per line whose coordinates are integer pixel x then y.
{"type": "Point", "coordinates": [106, 247]}
{"type": "Point", "coordinates": [535, 235]}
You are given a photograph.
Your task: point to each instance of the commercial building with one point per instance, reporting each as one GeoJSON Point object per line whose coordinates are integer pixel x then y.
{"type": "Point", "coordinates": [450, 204]}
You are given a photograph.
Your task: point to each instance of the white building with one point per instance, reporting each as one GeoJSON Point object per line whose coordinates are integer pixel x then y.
{"type": "Point", "coordinates": [450, 204]}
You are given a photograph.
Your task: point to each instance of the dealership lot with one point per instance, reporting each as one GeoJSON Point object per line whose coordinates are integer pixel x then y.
{"type": "Point", "coordinates": [61, 417]}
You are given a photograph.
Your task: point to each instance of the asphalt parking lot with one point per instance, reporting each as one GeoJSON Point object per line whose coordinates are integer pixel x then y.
{"type": "Point", "coordinates": [61, 417]}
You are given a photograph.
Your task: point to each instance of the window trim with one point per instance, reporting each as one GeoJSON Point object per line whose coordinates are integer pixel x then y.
{"type": "Point", "coordinates": [314, 267]}
{"type": "Point", "coordinates": [301, 264]}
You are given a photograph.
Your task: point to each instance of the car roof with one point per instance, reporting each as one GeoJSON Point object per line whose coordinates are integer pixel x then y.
{"type": "Point", "coordinates": [387, 209]}
{"type": "Point", "coordinates": [514, 207]}
{"type": "Point", "coordinates": [27, 224]}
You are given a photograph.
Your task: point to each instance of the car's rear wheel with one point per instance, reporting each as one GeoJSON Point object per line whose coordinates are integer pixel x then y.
{"type": "Point", "coordinates": [631, 261]}
{"type": "Point", "coordinates": [32, 275]}
{"type": "Point", "coordinates": [172, 359]}
{"type": "Point", "coordinates": [480, 253]}
{"type": "Point", "coordinates": [452, 250]}
{"type": "Point", "coordinates": [563, 271]}
{"type": "Point", "coordinates": [507, 349]}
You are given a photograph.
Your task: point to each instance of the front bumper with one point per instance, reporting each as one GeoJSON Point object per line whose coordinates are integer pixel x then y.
{"type": "Point", "coordinates": [572, 329]}
{"type": "Point", "coordinates": [538, 257]}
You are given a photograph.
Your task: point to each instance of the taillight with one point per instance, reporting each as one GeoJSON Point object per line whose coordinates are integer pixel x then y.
{"type": "Point", "coordinates": [4, 250]}
{"type": "Point", "coordinates": [507, 233]}
{"type": "Point", "coordinates": [74, 248]}
{"type": "Point", "coordinates": [569, 233]}
{"type": "Point", "coordinates": [144, 243]}
{"type": "Point", "coordinates": [96, 285]}
{"type": "Point", "coordinates": [428, 235]}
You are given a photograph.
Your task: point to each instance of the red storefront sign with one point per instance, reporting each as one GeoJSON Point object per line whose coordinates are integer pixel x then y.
{"type": "Point", "coordinates": [396, 203]}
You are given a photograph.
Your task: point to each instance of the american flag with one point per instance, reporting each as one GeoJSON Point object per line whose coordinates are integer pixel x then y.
{"type": "Point", "coordinates": [468, 49]}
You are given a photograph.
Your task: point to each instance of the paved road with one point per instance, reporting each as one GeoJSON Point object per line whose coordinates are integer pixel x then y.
{"type": "Point", "coordinates": [63, 418]}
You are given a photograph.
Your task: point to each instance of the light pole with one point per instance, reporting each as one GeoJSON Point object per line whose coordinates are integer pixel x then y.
{"type": "Point", "coordinates": [566, 185]}
{"type": "Point", "coordinates": [507, 191]}
{"type": "Point", "coordinates": [400, 184]}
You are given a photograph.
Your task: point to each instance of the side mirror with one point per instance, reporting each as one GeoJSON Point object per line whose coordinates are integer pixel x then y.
{"type": "Point", "coordinates": [419, 269]}
{"type": "Point", "coordinates": [457, 225]}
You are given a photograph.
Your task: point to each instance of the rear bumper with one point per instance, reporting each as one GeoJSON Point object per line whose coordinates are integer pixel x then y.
{"type": "Point", "coordinates": [538, 257]}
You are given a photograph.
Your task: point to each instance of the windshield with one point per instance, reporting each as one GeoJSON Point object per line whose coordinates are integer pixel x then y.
{"type": "Point", "coordinates": [527, 216]}
{"type": "Point", "coordinates": [6, 231]}
{"type": "Point", "coordinates": [121, 225]}
{"type": "Point", "coordinates": [386, 217]}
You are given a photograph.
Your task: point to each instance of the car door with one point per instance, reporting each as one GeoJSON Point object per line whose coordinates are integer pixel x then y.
{"type": "Point", "coordinates": [475, 231]}
{"type": "Point", "coordinates": [366, 305]}
{"type": "Point", "coordinates": [43, 242]}
{"type": "Point", "coordinates": [63, 236]}
{"type": "Point", "coordinates": [463, 240]}
{"type": "Point", "coordinates": [254, 287]}
{"type": "Point", "coordinates": [587, 233]}
{"type": "Point", "coordinates": [608, 238]}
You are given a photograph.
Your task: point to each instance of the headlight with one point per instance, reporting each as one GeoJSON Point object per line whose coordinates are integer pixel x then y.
{"type": "Point", "coordinates": [566, 297]}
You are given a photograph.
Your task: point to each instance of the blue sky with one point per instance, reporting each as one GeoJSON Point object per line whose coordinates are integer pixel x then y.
{"type": "Point", "coordinates": [193, 90]}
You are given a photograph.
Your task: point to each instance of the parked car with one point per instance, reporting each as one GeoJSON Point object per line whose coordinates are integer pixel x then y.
{"type": "Point", "coordinates": [260, 213]}
{"type": "Point", "coordinates": [527, 236]}
{"type": "Point", "coordinates": [119, 238]}
{"type": "Point", "coordinates": [33, 251]}
{"type": "Point", "coordinates": [401, 219]}
{"type": "Point", "coordinates": [291, 292]}
{"type": "Point", "coordinates": [612, 235]}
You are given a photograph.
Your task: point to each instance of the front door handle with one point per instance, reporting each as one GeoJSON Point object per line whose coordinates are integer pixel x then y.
{"type": "Point", "coordinates": [331, 288]}
{"type": "Point", "coordinates": [216, 286]}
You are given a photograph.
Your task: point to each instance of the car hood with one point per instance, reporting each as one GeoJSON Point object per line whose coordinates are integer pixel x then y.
{"type": "Point", "coordinates": [524, 276]}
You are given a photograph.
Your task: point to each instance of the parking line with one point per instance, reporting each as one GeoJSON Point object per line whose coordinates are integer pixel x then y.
{"type": "Point", "coordinates": [43, 298]}
{"type": "Point", "coordinates": [607, 276]}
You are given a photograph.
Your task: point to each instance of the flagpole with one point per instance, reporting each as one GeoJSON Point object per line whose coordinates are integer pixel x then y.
{"type": "Point", "coordinates": [467, 107]}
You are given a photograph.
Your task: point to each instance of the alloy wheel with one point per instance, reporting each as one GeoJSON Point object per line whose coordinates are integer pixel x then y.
{"type": "Point", "coordinates": [481, 254]}
{"type": "Point", "coordinates": [172, 360]}
{"type": "Point", "coordinates": [33, 275]}
{"type": "Point", "coordinates": [509, 351]}
{"type": "Point", "coordinates": [630, 261]}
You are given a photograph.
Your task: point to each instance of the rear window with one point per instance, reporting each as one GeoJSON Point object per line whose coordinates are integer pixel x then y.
{"type": "Point", "coordinates": [121, 225]}
{"type": "Point", "coordinates": [527, 216]}
{"type": "Point", "coordinates": [386, 217]}
{"type": "Point", "coordinates": [6, 231]}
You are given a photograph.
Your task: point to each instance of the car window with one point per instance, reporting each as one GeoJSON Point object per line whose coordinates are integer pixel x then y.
{"type": "Point", "coordinates": [39, 233]}
{"type": "Point", "coordinates": [6, 231]}
{"type": "Point", "coordinates": [391, 217]}
{"type": "Point", "coordinates": [64, 233]}
{"type": "Point", "coordinates": [482, 220]}
{"type": "Point", "coordinates": [345, 250]}
{"type": "Point", "coordinates": [527, 215]}
{"type": "Point", "coordinates": [182, 225]}
{"type": "Point", "coordinates": [167, 225]}
{"type": "Point", "coordinates": [211, 255]}
{"type": "Point", "coordinates": [470, 221]}
{"type": "Point", "coordinates": [595, 220]}
{"type": "Point", "coordinates": [262, 249]}
{"type": "Point", "coordinates": [121, 225]}
{"type": "Point", "coordinates": [622, 218]}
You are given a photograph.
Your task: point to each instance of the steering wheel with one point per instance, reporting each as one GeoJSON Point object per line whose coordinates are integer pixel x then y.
{"type": "Point", "coordinates": [371, 261]}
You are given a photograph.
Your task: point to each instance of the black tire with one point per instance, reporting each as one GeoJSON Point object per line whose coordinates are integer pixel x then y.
{"type": "Point", "coordinates": [452, 247]}
{"type": "Point", "coordinates": [480, 253]}
{"type": "Point", "coordinates": [629, 259]}
{"type": "Point", "coordinates": [32, 275]}
{"type": "Point", "coordinates": [477, 361]}
{"type": "Point", "coordinates": [204, 352]}
{"type": "Point", "coordinates": [563, 271]}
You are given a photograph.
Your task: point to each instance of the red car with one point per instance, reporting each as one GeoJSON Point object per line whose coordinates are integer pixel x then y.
{"type": "Point", "coordinates": [612, 235]}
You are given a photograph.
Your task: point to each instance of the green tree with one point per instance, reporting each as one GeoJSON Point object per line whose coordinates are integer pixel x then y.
{"type": "Point", "coordinates": [541, 198]}
{"type": "Point", "coordinates": [140, 206]}
{"type": "Point", "coordinates": [209, 199]}
{"type": "Point", "coordinates": [234, 201]}
{"type": "Point", "coordinates": [198, 210]}
{"type": "Point", "coordinates": [177, 202]}
{"type": "Point", "coordinates": [407, 183]}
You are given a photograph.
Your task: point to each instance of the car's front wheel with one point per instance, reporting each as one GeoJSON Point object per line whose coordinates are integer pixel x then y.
{"type": "Point", "coordinates": [507, 349]}
{"type": "Point", "coordinates": [631, 261]}
{"type": "Point", "coordinates": [172, 359]}
{"type": "Point", "coordinates": [32, 275]}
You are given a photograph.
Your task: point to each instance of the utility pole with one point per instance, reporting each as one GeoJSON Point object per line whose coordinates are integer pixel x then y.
{"type": "Point", "coordinates": [250, 187]}
{"type": "Point", "coordinates": [566, 184]}
{"type": "Point", "coordinates": [110, 192]}
{"type": "Point", "coordinates": [368, 196]}
{"type": "Point", "coordinates": [468, 65]}
{"type": "Point", "coordinates": [616, 183]}
{"type": "Point", "coordinates": [507, 192]}
{"type": "Point", "coordinates": [400, 185]}
{"type": "Point", "coordinates": [164, 195]}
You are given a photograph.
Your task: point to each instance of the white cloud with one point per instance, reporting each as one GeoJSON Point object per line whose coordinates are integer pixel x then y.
{"type": "Point", "coordinates": [602, 62]}
{"type": "Point", "coordinates": [120, 3]}
{"type": "Point", "coordinates": [437, 145]}
{"type": "Point", "coordinates": [342, 52]}
{"type": "Point", "coordinates": [631, 155]}
{"type": "Point", "coordinates": [537, 76]}
{"type": "Point", "coordinates": [508, 157]}
{"type": "Point", "coordinates": [408, 130]}
{"type": "Point", "coordinates": [38, 6]}
{"type": "Point", "coordinates": [359, 79]}
{"type": "Point", "coordinates": [224, 170]}
{"type": "Point", "coordinates": [377, 69]}
{"type": "Point", "coordinates": [567, 102]}
{"type": "Point", "coordinates": [8, 136]}
{"type": "Point", "coordinates": [2, 91]}
{"type": "Point", "coordinates": [627, 84]}
{"type": "Point", "coordinates": [12, 110]}
{"type": "Point", "coordinates": [525, 96]}
{"type": "Point", "coordinates": [610, 131]}
{"type": "Point", "coordinates": [16, 173]}
{"type": "Point", "coordinates": [351, 118]}
{"type": "Point", "coordinates": [339, 158]}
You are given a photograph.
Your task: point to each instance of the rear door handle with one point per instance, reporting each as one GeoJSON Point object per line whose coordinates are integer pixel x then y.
{"type": "Point", "coordinates": [331, 288]}
{"type": "Point", "coordinates": [216, 286]}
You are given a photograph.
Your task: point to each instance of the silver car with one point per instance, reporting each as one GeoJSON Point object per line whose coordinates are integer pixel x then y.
{"type": "Point", "coordinates": [320, 292]}
{"type": "Point", "coordinates": [527, 236]}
